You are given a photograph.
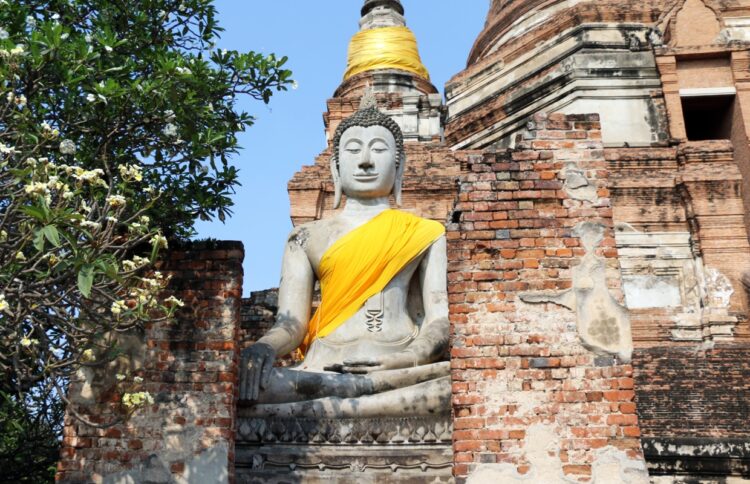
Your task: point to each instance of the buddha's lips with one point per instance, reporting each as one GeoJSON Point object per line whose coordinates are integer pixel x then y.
{"type": "Point", "coordinates": [368, 177]}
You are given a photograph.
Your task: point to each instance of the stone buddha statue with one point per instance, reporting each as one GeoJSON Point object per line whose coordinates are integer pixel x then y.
{"type": "Point", "coordinates": [373, 346]}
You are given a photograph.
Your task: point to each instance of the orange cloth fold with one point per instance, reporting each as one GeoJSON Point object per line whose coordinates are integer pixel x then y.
{"type": "Point", "coordinates": [361, 263]}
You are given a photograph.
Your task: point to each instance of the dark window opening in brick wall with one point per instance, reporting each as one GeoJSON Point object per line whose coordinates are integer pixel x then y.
{"type": "Point", "coordinates": [708, 117]}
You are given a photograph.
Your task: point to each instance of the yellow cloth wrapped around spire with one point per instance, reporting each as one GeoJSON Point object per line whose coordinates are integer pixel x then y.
{"type": "Point", "coordinates": [385, 48]}
{"type": "Point", "coordinates": [361, 263]}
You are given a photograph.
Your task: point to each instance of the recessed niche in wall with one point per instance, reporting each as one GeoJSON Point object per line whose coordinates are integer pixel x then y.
{"type": "Point", "coordinates": [708, 113]}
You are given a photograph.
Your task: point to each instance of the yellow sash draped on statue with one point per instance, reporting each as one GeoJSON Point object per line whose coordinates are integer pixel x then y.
{"type": "Point", "coordinates": [361, 263]}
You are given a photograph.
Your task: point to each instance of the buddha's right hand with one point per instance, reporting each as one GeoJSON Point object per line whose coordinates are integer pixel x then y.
{"type": "Point", "coordinates": [255, 370]}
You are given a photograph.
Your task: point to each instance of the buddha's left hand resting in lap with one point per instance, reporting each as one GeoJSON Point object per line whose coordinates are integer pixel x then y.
{"type": "Point", "coordinates": [374, 345]}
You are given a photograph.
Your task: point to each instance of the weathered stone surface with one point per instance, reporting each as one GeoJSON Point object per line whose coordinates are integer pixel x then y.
{"type": "Point", "coordinates": [603, 323]}
{"type": "Point", "coordinates": [407, 449]}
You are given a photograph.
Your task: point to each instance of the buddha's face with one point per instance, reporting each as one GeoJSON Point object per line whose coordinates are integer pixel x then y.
{"type": "Point", "coordinates": [367, 162]}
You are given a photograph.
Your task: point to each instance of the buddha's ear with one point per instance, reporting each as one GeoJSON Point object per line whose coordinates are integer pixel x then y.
{"type": "Point", "coordinates": [336, 182]}
{"type": "Point", "coordinates": [399, 180]}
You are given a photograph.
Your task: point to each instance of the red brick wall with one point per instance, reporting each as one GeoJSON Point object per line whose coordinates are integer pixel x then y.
{"type": "Point", "coordinates": [688, 392]}
{"type": "Point", "coordinates": [190, 368]}
{"type": "Point", "coordinates": [518, 366]}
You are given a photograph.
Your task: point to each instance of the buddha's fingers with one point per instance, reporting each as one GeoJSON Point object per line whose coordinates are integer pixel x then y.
{"type": "Point", "coordinates": [361, 370]}
{"type": "Point", "coordinates": [253, 390]}
{"type": "Point", "coordinates": [389, 379]}
{"type": "Point", "coordinates": [243, 377]}
{"type": "Point", "coordinates": [265, 374]}
{"type": "Point", "coordinates": [338, 368]}
{"type": "Point", "coordinates": [362, 362]}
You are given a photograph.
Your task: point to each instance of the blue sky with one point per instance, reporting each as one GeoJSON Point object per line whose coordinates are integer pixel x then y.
{"type": "Point", "coordinates": [289, 132]}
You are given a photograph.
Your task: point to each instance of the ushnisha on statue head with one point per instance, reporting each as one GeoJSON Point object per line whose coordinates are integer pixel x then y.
{"type": "Point", "coordinates": [382, 148]}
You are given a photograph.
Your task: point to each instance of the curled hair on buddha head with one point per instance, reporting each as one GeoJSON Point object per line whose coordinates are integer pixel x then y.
{"type": "Point", "coordinates": [368, 115]}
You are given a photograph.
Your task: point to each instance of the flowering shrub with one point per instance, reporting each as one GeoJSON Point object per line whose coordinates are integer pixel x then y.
{"type": "Point", "coordinates": [70, 276]}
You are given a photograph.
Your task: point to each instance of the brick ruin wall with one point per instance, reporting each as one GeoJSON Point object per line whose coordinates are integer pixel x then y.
{"type": "Point", "coordinates": [190, 368]}
{"type": "Point", "coordinates": [528, 397]}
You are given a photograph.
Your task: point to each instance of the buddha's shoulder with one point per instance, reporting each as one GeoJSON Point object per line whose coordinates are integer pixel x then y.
{"type": "Point", "coordinates": [302, 233]}
{"type": "Point", "coordinates": [316, 226]}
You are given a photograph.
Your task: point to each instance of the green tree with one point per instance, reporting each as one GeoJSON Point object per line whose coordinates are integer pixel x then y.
{"type": "Point", "coordinates": [139, 82]}
{"type": "Point", "coordinates": [117, 123]}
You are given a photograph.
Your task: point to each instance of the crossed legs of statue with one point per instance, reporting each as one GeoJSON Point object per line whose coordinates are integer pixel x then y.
{"type": "Point", "coordinates": [411, 391]}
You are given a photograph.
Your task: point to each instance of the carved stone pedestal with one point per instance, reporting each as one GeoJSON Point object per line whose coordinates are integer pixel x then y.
{"type": "Point", "coordinates": [404, 450]}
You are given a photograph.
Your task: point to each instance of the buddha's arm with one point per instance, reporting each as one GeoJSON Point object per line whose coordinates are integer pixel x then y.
{"type": "Point", "coordinates": [432, 340]}
{"type": "Point", "coordinates": [295, 297]}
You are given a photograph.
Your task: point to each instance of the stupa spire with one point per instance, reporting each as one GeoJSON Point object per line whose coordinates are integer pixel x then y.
{"type": "Point", "coordinates": [382, 13]}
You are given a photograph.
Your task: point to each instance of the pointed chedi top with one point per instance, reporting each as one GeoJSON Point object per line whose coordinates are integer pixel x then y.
{"type": "Point", "coordinates": [392, 4]}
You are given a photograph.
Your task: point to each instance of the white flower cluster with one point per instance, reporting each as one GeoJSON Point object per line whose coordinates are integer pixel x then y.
{"type": "Point", "coordinates": [49, 131]}
{"type": "Point", "coordinates": [136, 263]}
{"type": "Point", "coordinates": [19, 100]}
{"type": "Point", "coordinates": [7, 150]}
{"type": "Point", "coordinates": [90, 176]}
{"type": "Point", "coordinates": [136, 379]}
{"type": "Point", "coordinates": [118, 307]}
{"type": "Point", "coordinates": [18, 50]}
{"type": "Point", "coordinates": [137, 399]}
{"type": "Point", "coordinates": [67, 147]}
{"type": "Point", "coordinates": [173, 301]}
{"type": "Point", "coordinates": [116, 201]}
{"type": "Point", "coordinates": [36, 188]}
{"type": "Point", "coordinates": [27, 342]}
{"type": "Point", "coordinates": [88, 224]}
{"type": "Point", "coordinates": [159, 241]}
{"type": "Point", "coordinates": [130, 172]}
{"type": "Point", "coordinates": [155, 283]}
{"type": "Point", "coordinates": [4, 306]}
{"type": "Point", "coordinates": [146, 296]}
{"type": "Point", "coordinates": [90, 97]}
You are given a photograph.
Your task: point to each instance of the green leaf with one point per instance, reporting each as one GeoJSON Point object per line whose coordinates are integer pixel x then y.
{"type": "Point", "coordinates": [51, 234]}
{"type": "Point", "coordinates": [85, 279]}
{"type": "Point", "coordinates": [33, 211]}
{"type": "Point", "coordinates": [38, 241]}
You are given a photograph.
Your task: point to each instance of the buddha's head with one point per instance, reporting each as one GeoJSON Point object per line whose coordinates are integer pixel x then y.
{"type": "Point", "coordinates": [368, 156]}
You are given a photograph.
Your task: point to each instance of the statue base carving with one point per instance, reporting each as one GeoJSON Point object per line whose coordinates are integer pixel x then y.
{"type": "Point", "coordinates": [379, 450]}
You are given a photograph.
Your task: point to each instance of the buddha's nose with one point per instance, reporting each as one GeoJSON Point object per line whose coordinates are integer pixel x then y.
{"type": "Point", "coordinates": [366, 163]}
